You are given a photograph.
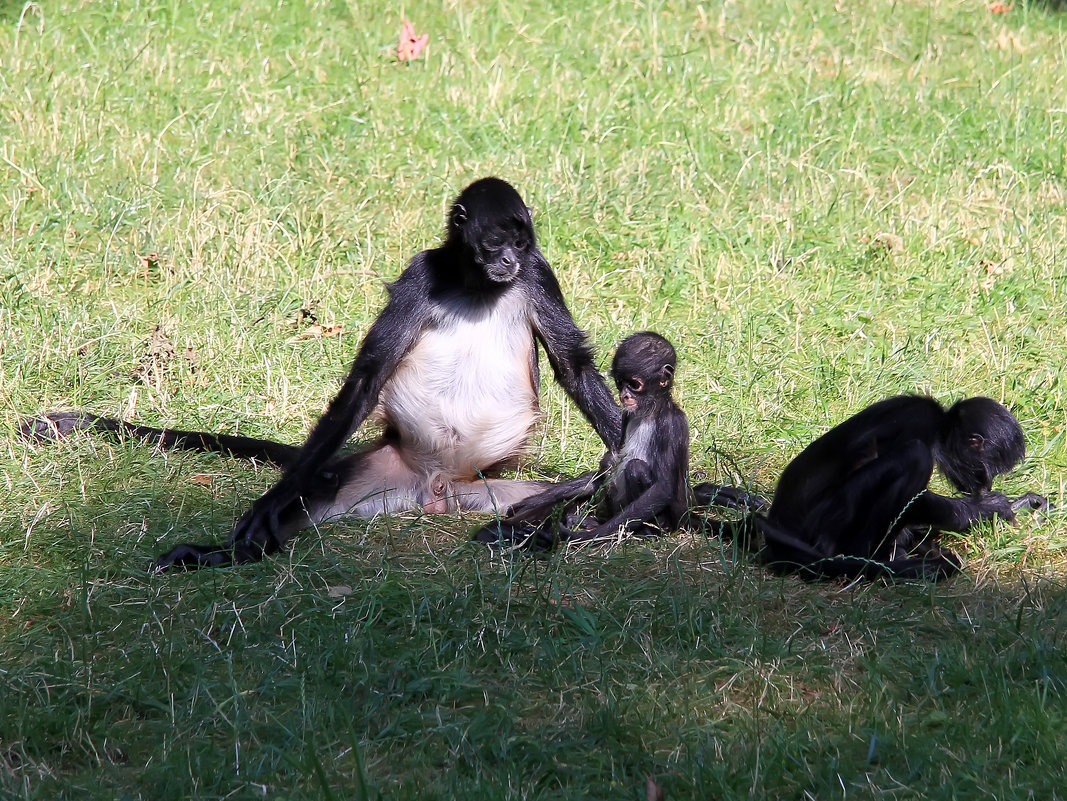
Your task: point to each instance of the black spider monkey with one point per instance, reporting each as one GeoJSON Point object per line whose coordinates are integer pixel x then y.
{"type": "Point", "coordinates": [450, 364]}
{"type": "Point", "coordinates": [641, 487]}
{"type": "Point", "coordinates": [855, 502]}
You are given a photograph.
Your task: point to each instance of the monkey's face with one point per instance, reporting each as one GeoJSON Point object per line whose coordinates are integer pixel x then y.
{"type": "Point", "coordinates": [962, 460]}
{"type": "Point", "coordinates": [502, 251]}
{"type": "Point", "coordinates": [494, 228]}
{"type": "Point", "coordinates": [630, 391]}
{"type": "Point", "coordinates": [980, 441]}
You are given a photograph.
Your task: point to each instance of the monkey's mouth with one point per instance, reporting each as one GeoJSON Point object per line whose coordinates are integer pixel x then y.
{"type": "Point", "coordinates": [501, 275]}
{"type": "Point", "coordinates": [629, 403]}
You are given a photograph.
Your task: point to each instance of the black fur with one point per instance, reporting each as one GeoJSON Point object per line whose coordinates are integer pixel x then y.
{"type": "Point", "coordinates": [489, 256]}
{"type": "Point", "coordinates": [61, 424]}
{"type": "Point", "coordinates": [855, 502]}
{"type": "Point", "coordinates": [640, 487]}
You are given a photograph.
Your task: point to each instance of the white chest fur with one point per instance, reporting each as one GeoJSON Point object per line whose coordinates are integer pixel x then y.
{"type": "Point", "coordinates": [638, 445]}
{"type": "Point", "coordinates": [464, 396]}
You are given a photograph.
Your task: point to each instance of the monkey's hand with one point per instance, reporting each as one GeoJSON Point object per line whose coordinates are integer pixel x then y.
{"type": "Point", "coordinates": [525, 536]}
{"type": "Point", "coordinates": [990, 505]}
{"type": "Point", "coordinates": [1031, 501]}
{"type": "Point", "coordinates": [272, 520]}
{"type": "Point", "coordinates": [256, 534]}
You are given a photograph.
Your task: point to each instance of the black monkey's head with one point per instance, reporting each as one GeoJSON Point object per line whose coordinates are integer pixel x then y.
{"type": "Point", "coordinates": [492, 227]}
{"type": "Point", "coordinates": [643, 369]}
{"type": "Point", "coordinates": [979, 440]}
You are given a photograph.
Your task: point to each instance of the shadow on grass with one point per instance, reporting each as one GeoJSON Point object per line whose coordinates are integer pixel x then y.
{"type": "Point", "coordinates": [402, 657]}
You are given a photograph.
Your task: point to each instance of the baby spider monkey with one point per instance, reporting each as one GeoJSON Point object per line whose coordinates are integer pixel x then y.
{"type": "Point", "coordinates": [640, 488]}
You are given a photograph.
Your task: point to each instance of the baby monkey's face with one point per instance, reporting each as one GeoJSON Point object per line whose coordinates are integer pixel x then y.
{"type": "Point", "coordinates": [630, 391]}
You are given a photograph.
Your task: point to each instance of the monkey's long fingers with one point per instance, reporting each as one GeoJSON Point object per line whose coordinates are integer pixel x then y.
{"type": "Point", "coordinates": [1031, 501]}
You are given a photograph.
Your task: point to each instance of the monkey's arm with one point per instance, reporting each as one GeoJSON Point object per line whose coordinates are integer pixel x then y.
{"type": "Point", "coordinates": [571, 357]}
{"type": "Point", "coordinates": [385, 344]}
{"type": "Point", "coordinates": [959, 514]}
{"type": "Point", "coordinates": [279, 512]}
{"type": "Point", "coordinates": [538, 508]}
{"type": "Point", "coordinates": [524, 518]}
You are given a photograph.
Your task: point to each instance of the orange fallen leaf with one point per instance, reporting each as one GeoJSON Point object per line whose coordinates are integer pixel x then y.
{"type": "Point", "coordinates": [410, 45]}
{"type": "Point", "coordinates": [203, 479]}
{"type": "Point", "coordinates": [999, 8]}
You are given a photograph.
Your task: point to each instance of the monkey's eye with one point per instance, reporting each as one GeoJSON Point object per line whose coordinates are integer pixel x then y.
{"type": "Point", "coordinates": [634, 385]}
{"type": "Point", "coordinates": [521, 243]}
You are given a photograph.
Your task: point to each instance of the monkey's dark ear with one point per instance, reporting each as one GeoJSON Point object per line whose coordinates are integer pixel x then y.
{"type": "Point", "coordinates": [459, 215]}
{"type": "Point", "coordinates": [667, 375]}
{"type": "Point", "coordinates": [975, 442]}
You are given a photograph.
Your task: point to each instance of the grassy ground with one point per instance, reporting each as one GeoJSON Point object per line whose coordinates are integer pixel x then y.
{"type": "Point", "coordinates": [819, 205]}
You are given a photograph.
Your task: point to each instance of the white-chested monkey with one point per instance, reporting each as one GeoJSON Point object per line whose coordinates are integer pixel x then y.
{"type": "Point", "coordinates": [449, 365]}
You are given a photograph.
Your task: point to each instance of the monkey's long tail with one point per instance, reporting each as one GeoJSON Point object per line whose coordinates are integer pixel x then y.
{"type": "Point", "coordinates": [54, 425]}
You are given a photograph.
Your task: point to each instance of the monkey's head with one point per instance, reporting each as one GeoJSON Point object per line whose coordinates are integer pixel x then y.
{"type": "Point", "coordinates": [491, 226]}
{"type": "Point", "coordinates": [979, 440]}
{"type": "Point", "coordinates": [643, 370]}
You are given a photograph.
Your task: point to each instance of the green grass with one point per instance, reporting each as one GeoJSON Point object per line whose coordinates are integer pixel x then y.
{"type": "Point", "coordinates": [819, 205]}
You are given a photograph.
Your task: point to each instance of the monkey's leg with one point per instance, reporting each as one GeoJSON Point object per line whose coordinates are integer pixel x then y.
{"type": "Point", "coordinates": [365, 484]}
{"type": "Point", "coordinates": [495, 495]}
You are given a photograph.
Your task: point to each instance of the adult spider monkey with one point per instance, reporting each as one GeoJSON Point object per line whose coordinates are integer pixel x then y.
{"type": "Point", "coordinates": [641, 487]}
{"type": "Point", "coordinates": [855, 502]}
{"type": "Point", "coordinates": [450, 364]}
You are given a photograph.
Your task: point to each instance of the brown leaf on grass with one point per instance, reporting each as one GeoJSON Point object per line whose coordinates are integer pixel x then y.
{"type": "Point", "coordinates": [999, 8]}
{"type": "Point", "coordinates": [159, 353]}
{"type": "Point", "coordinates": [889, 242]}
{"type": "Point", "coordinates": [883, 241]}
{"type": "Point", "coordinates": [1009, 42]}
{"type": "Point", "coordinates": [150, 262]}
{"type": "Point", "coordinates": [410, 46]}
{"type": "Point", "coordinates": [340, 591]}
{"type": "Point", "coordinates": [203, 479]}
{"type": "Point", "coordinates": [653, 792]}
{"type": "Point", "coordinates": [318, 331]}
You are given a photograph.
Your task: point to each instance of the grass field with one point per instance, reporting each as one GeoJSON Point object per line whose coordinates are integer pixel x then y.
{"type": "Point", "coordinates": [820, 205]}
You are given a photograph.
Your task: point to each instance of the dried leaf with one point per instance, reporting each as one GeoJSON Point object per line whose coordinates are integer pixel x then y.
{"type": "Point", "coordinates": [160, 352]}
{"type": "Point", "coordinates": [653, 792]}
{"type": "Point", "coordinates": [318, 331]}
{"type": "Point", "coordinates": [340, 591]}
{"type": "Point", "coordinates": [1009, 42]}
{"type": "Point", "coordinates": [203, 479]}
{"type": "Point", "coordinates": [888, 242]}
{"type": "Point", "coordinates": [999, 8]}
{"type": "Point", "coordinates": [410, 46]}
